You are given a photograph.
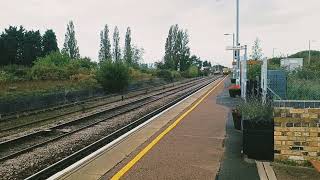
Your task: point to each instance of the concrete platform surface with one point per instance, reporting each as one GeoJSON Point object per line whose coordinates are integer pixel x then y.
{"type": "Point", "coordinates": [105, 164]}
{"type": "Point", "coordinates": [192, 150]}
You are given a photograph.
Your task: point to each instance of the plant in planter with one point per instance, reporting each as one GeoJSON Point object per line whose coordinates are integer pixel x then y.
{"type": "Point", "coordinates": [236, 116]}
{"type": "Point", "coordinates": [234, 91]}
{"type": "Point", "coordinates": [258, 129]}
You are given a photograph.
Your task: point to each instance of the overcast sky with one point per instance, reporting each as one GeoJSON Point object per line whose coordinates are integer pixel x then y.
{"type": "Point", "coordinates": [286, 25]}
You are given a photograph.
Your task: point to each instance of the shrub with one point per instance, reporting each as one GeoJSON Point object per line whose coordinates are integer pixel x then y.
{"type": "Point", "coordinates": [137, 75]}
{"type": "Point", "coordinates": [165, 74]}
{"type": "Point", "coordinates": [255, 110]}
{"type": "Point", "coordinates": [4, 76]}
{"type": "Point", "coordinates": [254, 71]}
{"type": "Point", "coordinates": [113, 76]}
{"type": "Point", "coordinates": [169, 75]}
{"type": "Point", "coordinates": [193, 71]}
{"type": "Point", "coordinates": [175, 75]}
{"type": "Point", "coordinates": [301, 89]}
{"type": "Point", "coordinates": [80, 66]}
{"type": "Point", "coordinates": [57, 66]}
{"type": "Point", "coordinates": [14, 72]}
{"type": "Point", "coordinates": [234, 91]}
{"type": "Point", "coordinates": [51, 67]}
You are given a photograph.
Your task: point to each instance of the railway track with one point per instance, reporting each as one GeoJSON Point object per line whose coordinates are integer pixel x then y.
{"type": "Point", "coordinates": [85, 106]}
{"type": "Point", "coordinates": [12, 148]}
{"type": "Point", "coordinates": [51, 137]}
{"type": "Point", "coordinates": [139, 91]}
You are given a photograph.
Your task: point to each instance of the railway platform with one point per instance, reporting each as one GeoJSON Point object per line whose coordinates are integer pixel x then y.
{"type": "Point", "coordinates": [191, 140]}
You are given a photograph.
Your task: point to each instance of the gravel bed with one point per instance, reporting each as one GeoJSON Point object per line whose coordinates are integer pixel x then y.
{"type": "Point", "coordinates": [68, 118]}
{"type": "Point", "coordinates": [28, 163]}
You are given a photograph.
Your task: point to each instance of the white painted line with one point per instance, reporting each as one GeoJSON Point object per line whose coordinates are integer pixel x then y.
{"type": "Point", "coordinates": [269, 171]}
{"type": "Point", "coordinates": [261, 171]}
{"type": "Point", "coordinates": [109, 146]}
{"type": "Point", "coordinates": [265, 171]}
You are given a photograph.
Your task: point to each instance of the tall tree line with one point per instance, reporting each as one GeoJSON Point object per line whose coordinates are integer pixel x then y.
{"type": "Point", "coordinates": [22, 47]}
{"type": "Point", "coordinates": [131, 54]}
{"type": "Point", "coordinates": [70, 46]}
{"type": "Point", "coordinates": [177, 51]}
{"type": "Point", "coordinates": [105, 45]}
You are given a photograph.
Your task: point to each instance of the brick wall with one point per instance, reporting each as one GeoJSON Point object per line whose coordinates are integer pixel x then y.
{"type": "Point", "coordinates": [297, 133]}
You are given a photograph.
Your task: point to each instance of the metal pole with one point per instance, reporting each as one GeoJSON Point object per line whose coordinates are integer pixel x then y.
{"type": "Point", "coordinates": [237, 40]}
{"type": "Point", "coordinates": [309, 52]}
{"type": "Point", "coordinates": [234, 57]}
{"type": "Point", "coordinates": [237, 44]}
{"type": "Point", "coordinates": [244, 75]}
{"type": "Point", "coordinates": [233, 46]}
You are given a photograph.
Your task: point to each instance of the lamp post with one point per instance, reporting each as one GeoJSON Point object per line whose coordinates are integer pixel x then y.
{"type": "Point", "coordinates": [233, 53]}
{"type": "Point", "coordinates": [310, 41]}
{"type": "Point", "coordinates": [237, 52]}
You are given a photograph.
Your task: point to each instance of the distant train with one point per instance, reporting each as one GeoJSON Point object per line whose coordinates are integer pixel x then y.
{"type": "Point", "coordinates": [226, 71]}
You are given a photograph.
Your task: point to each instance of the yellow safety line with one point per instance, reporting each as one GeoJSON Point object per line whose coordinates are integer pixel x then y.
{"type": "Point", "coordinates": [126, 168]}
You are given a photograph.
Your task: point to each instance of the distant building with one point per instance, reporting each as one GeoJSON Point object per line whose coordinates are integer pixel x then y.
{"type": "Point", "coordinates": [291, 63]}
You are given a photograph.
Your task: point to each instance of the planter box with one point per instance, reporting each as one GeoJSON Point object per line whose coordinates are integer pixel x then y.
{"type": "Point", "coordinates": [258, 142]}
{"type": "Point", "coordinates": [233, 81]}
{"type": "Point", "coordinates": [236, 120]}
{"type": "Point", "coordinates": [234, 92]}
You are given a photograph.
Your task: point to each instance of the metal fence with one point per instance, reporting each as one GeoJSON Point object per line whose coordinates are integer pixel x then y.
{"type": "Point", "coordinates": [296, 103]}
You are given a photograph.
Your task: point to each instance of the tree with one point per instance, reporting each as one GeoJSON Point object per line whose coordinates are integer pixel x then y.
{"type": "Point", "coordinates": [137, 55]}
{"type": "Point", "coordinates": [113, 76]}
{"type": "Point", "coordinates": [128, 54]}
{"type": "Point", "coordinates": [116, 45]}
{"type": "Point", "coordinates": [169, 48]}
{"type": "Point", "coordinates": [12, 45]}
{"type": "Point", "coordinates": [256, 50]}
{"type": "Point", "coordinates": [49, 42]}
{"type": "Point", "coordinates": [31, 47]}
{"type": "Point", "coordinates": [105, 45]}
{"type": "Point", "coordinates": [177, 52]}
{"type": "Point", "coordinates": [70, 46]}
{"type": "Point", "coordinates": [184, 51]}
{"type": "Point", "coordinates": [206, 64]}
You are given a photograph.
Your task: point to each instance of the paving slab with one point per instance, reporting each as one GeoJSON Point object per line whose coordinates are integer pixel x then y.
{"type": "Point", "coordinates": [233, 165]}
{"type": "Point", "coordinates": [192, 150]}
{"type": "Point", "coordinates": [104, 162]}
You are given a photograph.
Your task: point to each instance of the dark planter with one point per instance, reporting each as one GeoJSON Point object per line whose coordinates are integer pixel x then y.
{"type": "Point", "coordinates": [236, 116]}
{"type": "Point", "coordinates": [258, 142]}
{"type": "Point", "coordinates": [234, 92]}
{"type": "Point", "coordinates": [233, 81]}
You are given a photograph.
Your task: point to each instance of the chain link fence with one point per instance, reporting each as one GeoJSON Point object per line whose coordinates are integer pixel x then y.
{"type": "Point", "coordinates": [298, 88]}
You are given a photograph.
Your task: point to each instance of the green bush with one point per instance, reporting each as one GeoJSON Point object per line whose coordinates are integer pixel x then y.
{"type": "Point", "coordinates": [138, 75]}
{"type": "Point", "coordinates": [175, 75]}
{"type": "Point", "coordinates": [169, 75]}
{"type": "Point", "coordinates": [113, 76]}
{"type": "Point", "coordinates": [301, 89]}
{"type": "Point", "coordinates": [255, 110]}
{"type": "Point", "coordinates": [80, 66]}
{"type": "Point", "coordinates": [57, 66]}
{"type": "Point", "coordinates": [51, 67]}
{"type": "Point", "coordinates": [192, 72]}
{"type": "Point", "coordinates": [12, 73]}
{"type": "Point", "coordinates": [165, 74]}
{"type": "Point", "coordinates": [254, 71]}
